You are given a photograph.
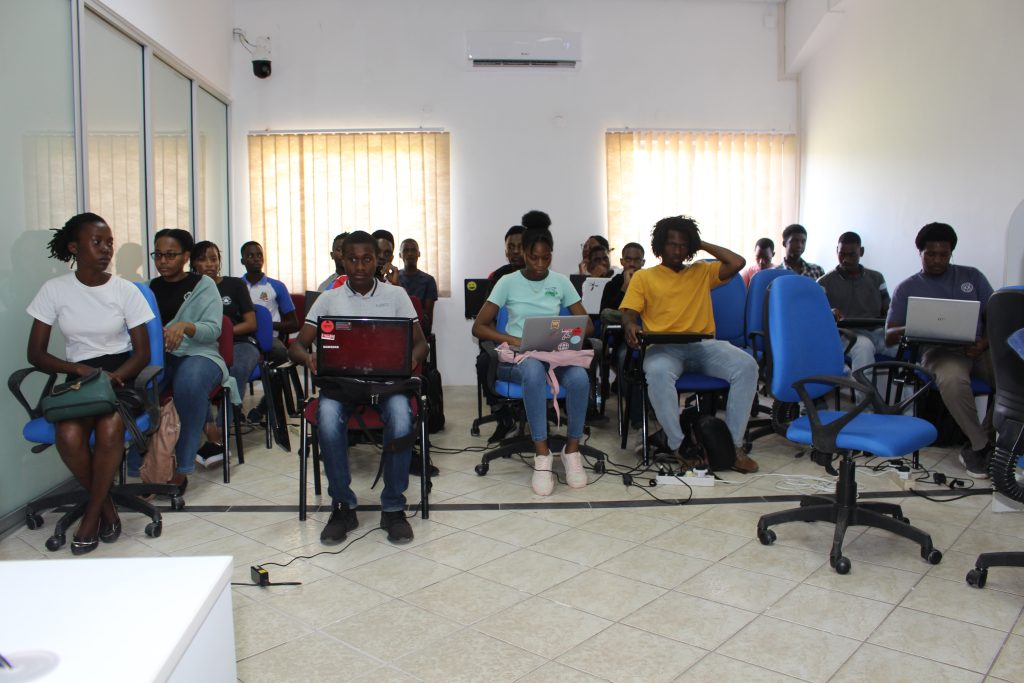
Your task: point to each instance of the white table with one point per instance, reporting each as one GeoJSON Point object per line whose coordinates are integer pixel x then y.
{"type": "Point", "coordinates": [132, 620]}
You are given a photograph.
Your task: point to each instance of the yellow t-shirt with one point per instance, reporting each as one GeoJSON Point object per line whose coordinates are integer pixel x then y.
{"type": "Point", "coordinates": [679, 303]}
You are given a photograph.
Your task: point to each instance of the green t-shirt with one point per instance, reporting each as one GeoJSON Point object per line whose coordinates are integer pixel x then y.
{"type": "Point", "coordinates": [527, 298]}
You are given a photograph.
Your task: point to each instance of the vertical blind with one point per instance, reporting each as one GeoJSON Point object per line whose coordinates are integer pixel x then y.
{"type": "Point", "coordinates": [306, 188]}
{"type": "Point", "coordinates": [738, 186]}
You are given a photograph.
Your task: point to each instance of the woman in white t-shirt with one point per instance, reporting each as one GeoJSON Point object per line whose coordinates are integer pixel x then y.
{"type": "Point", "coordinates": [103, 319]}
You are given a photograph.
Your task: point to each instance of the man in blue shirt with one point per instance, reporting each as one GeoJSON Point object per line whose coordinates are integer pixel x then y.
{"type": "Point", "coordinates": [272, 295]}
{"type": "Point", "coordinates": [951, 365]}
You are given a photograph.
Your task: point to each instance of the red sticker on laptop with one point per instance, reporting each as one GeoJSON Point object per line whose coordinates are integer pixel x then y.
{"type": "Point", "coordinates": [327, 326]}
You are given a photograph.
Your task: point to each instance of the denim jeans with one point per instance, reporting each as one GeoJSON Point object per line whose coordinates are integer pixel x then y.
{"type": "Point", "coordinates": [664, 364]}
{"type": "Point", "coordinates": [247, 356]}
{"type": "Point", "coordinates": [192, 378]}
{"type": "Point", "coordinates": [332, 430]}
{"type": "Point", "coordinates": [533, 376]}
{"type": "Point", "coordinates": [867, 344]}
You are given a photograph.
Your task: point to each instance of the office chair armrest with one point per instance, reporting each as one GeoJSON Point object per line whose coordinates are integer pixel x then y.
{"type": "Point", "coordinates": [823, 437]}
{"type": "Point", "coordinates": [491, 350]}
{"type": "Point", "coordinates": [911, 370]}
{"type": "Point", "coordinates": [14, 385]}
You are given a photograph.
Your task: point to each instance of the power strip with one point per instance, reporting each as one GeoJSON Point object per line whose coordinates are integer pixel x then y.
{"type": "Point", "coordinates": [673, 480]}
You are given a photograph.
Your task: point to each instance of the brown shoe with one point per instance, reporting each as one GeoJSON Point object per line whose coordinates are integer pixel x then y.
{"type": "Point", "coordinates": [690, 460]}
{"type": "Point", "coordinates": [744, 463]}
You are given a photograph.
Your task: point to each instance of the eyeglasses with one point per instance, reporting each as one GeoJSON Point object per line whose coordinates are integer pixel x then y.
{"type": "Point", "coordinates": [166, 255]}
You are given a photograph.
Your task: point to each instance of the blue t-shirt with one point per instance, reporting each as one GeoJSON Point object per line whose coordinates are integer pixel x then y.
{"type": "Point", "coordinates": [958, 282]}
{"type": "Point", "coordinates": [528, 298]}
{"type": "Point", "coordinates": [272, 295]}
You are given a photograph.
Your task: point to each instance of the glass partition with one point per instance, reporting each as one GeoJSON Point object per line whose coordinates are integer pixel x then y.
{"type": "Point", "coordinates": [212, 172]}
{"type": "Point", "coordinates": [171, 111]}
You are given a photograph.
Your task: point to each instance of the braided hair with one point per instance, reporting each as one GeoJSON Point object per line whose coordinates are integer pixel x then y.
{"type": "Point", "coordinates": [68, 233]}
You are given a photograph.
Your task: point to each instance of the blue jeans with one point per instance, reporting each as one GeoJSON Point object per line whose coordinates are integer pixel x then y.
{"type": "Point", "coordinates": [247, 356]}
{"type": "Point", "coordinates": [866, 345]}
{"type": "Point", "coordinates": [332, 430]}
{"type": "Point", "coordinates": [532, 375]}
{"type": "Point", "coordinates": [664, 363]}
{"type": "Point", "coordinates": [191, 378]}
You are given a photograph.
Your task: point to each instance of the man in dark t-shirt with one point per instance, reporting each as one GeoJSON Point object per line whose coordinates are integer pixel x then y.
{"type": "Point", "coordinates": [417, 283]}
{"type": "Point", "coordinates": [513, 253]}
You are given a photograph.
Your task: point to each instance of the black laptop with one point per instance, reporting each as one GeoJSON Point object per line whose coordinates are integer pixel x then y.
{"type": "Point", "coordinates": [476, 291]}
{"type": "Point", "coordinates": [349, 346]}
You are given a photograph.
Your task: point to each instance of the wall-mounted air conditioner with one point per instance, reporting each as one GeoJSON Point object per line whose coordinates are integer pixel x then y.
{"type": "Point", "coordinates": [496, 49]}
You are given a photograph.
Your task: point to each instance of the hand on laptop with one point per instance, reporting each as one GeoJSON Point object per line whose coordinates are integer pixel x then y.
{"type": "Point", "coordinates": [310, 363]}
{"type": "Point", "coordinates": [837, 314]}
{"type": "Point", "coordinates": [977, 348]}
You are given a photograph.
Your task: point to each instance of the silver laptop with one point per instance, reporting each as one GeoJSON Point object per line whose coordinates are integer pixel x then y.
{"type": "Point", "coordinates": [554, 333]}
{"type": "Point", "coordinates": [943, 320]}
{"type": "Point", "coordinates": [592, 291]}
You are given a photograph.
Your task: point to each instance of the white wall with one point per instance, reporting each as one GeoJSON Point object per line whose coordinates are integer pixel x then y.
{"type": "Point", "coordinates": [400, 63]}
{"type": "Point", "coordinates": [913, 114]}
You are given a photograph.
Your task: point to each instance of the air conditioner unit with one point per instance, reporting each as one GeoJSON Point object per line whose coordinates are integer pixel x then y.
{"type": "Point", "coordinates": [491, 49]}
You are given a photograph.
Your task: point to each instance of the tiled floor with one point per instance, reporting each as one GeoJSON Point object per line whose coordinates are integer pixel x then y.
{"type": "Point", "coordinates": [648, 593]}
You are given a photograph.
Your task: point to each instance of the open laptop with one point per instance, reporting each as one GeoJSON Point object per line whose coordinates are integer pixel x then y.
{"type": "Point", "coordinates": [593, 290]}
{"type": "Point", "coordinates": [476, 291]}
{"type": "Point", "coordinates": [348, 346]}
{"type": "Point", "coordinates": [554, 333]}
{"type": "Point", "coordinates": [946, 321]}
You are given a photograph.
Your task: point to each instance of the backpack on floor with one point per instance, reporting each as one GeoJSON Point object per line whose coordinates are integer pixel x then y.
{"type": "Point", "coordinates": [931, 407]}
{"type": "Point", "coordinates": [710, 440]}
{"type": "Point", "coordinates": [435, 397]}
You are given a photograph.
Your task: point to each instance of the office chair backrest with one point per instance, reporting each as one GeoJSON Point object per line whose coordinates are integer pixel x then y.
{"type": "Point", "coordinates": [154, 327]}
{"type": "Point", "coordinates": [265, 328]}
{"type": "Point", "coordinates": [802, 337]}
{"type": "Point", "coordinates": [501, 320]}
{"type": "Point", "coordinates": [1005, 315]}
{"type": "Point", "coordinates": [226, 341]}
{"type": "Point", "coordinates": [728, 303]}
{"type": "Point", "coordinates": [756, 293]}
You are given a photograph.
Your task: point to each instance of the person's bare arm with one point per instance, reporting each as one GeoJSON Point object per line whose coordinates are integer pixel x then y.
{"type": "Point", "coordinates": [732, 262]}
{"type": "Point", "coordinates": [298, 351]}
{"type": "Point", "coordinates": [40, 357]}
{"type": "Point", "coordinates": [484, 330]}
{"type": "Point", "coordinates": [577, 309]}
{"type": "Point", "coordinates": [419, 346]}
{"type": "Point", "coordinates": [630, 327]}
{"type": "Point", "coordinates": [894, 334]}
{"type": "Point", "coordinates": [289, 323]}
{"type": "Point", "coordinates": [248, 324]}
{"type": "Point", "coordinates": [137, 361]}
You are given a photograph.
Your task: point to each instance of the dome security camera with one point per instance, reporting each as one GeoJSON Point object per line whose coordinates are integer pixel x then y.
{"type": "Point", "coordinates": [261, 68]}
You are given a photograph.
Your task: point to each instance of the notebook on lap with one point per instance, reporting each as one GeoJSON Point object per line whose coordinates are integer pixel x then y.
{"type": "Point", "coordinates": [553, 333]}
{"type": "Point", "coordinates": [363, 347]}
{"type": "Point", "coordinates": [946, 321]}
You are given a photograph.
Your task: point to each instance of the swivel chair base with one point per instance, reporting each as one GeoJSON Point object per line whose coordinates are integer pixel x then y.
{"type": "Point", "coordinates": [519, 444]}
{"type": "Point", "coordinates": [844, 511]}
{"type": "Point", "coordinates": [979, 575]}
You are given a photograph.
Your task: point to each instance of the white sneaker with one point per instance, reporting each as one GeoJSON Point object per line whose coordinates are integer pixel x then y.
{"type": "Point", "coordinates": [575, 475]}
{"type": "Point", "coordinates": [543, 481]}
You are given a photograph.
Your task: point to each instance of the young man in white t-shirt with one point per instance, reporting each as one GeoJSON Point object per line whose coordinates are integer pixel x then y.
{"type": "Point", "coordinates": [362, 295]}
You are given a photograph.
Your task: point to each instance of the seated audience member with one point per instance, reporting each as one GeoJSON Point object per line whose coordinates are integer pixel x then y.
{"type": "Point", "coordinates": [271, 294]}
{"type": "Point", "coordinates": [536, 220]}
{"type": "Point", "coordinates": [103, 320]}
{"type": "Point", "coordinates": [421, 285]}
{"type": "Point", "coordinates": [234, 296]}
{"type": "Point", "coordinates": [854, 291]}
{"type": "Point", "coordinates": [592, 242]}
{"type": "Point", "coordinates": [794, 239]}
{"type": "Point", "coordinates": [513, 254]}
{"type": "Point", "coordinates": [536, 291]}
{"type": "Point", "coordinates": [764, 252]}
{"type": "Point", "coordinates": [386, 271]}
{"type": "Point", "coordinates": [599, 265]}
{"type": "Point", "coordinates": [675, 297]}
{"type": "Point", "coordinates": [339, 264]}
{"type": "Point", "coordinates": [362, 295]}
{"type": "Point", "coordinates": [191, 310]}
{"type": "Point", "coordinates": [632, 260]}
{"type": "Point", "coordinates": [951, 365]}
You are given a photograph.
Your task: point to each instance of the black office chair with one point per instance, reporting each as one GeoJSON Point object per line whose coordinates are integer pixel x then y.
{"type": "Point", "coordinates": [1005, 318]}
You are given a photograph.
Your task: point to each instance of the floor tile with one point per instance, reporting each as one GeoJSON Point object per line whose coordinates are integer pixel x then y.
{"type": "Point", "coordinates": [1010, 663]}
{"type": "Point", "coordinates": [318, 657]}
{"type": "Point", "coordinates": [698, 542]}
{"type": "Point", "coordinates": [603, 594]}
{"type": "Point", "coordinates": [528, 571]}
{"type": "Point", "coordinates": [944, 640]}
{"type": "Point", "coordinates": [582, 547]}
{"type": "Point", "coordinates": [654, 566]}
{"type": "Point", "coordinates": [689, 619]}
{"type": "Point", "coordinates": [259, 627]}
{"type": "Point", "coordinates": [957, 600]}
{"type": "Point", "coordinates": [519, 529]}
{"type": "Point", "coordinates": [543, 627]}
{"type": "Point", "coordinates": [737, 587]}
{"type": "Point", "coordinates": [399, 573]}
{"type": "Point", "coordinates": [795, 650]}
{"type": "Point", "coordinates": [391, 630]}
{"type": "Point", "coordinates": [470, 656]}
{"type": "Point", "coordinates": [463, 550]}
{"type": "Point", "coordinates": [628, 525]}
{"type": "Point", "coordinates": [715, 668]}
{"type": "Point", "coordinates": [731, 520]}
{"type": "Point", "coordinates": [291, 533]}
{"type": "Point", "coordinates": [830, 611]}
{"type": "Point", "coordinates": [621, 653]}
{"type": "Point", "coordinates": [553, 672]}
{"type": "Point", "coordinates": [867, 581]}
{"type": "Point", "coordinates": [873, 663]}
{"type": "Point", "coordinates": [776, 560]}
{"type": "Point", "coordinates": [327, 601]}
{"type": "Point", "coordinates": [466, 598]}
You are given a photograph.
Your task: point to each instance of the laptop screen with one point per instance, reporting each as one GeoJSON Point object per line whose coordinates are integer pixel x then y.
{"type": "Point", "coordinates": [363, 347]}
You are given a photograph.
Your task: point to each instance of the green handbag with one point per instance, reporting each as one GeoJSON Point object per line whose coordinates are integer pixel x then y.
{"type": "Point", "coordinates": [84, 397]}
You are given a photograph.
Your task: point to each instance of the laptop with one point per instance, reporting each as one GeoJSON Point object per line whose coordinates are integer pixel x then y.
{"type": "Point", "coordinates": [554, 333]}
{"type": "Point", "coordinates": [349, 346]}
{"type": "Point", "coordinates": [476, 291]}
{"type": "Point", "coordinates": [593, 290]}
{"type": "Point", "coordinates": [942, 320]}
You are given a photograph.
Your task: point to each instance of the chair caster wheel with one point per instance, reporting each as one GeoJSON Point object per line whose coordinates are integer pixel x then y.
{"type": "Point", "coordinates": [33, 521]}
{"type": "Point", "coordinates": [599, 467]}
{"type": "Point", "coordinates": [55, 543]}
{"type": "Point", "coordinates": [842, 565]}
{"type": "Point", "coordinates": [932, 556]}
{"type": "Point", "coordinates": [977, 577]}
{"type": "Point", "coordinates": [474, 431]}
{"type": "Point", "coordinates": [154, 529]}
{"type": "Point", "coordinates": [177, 503]}
{"type": "Point", "coordinates": [481, 469]}
{"type": "Point", "coordinates": [766, 536]}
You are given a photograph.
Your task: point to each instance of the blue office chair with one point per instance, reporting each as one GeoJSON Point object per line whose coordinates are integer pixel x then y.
{"type": "Point", "coordinates": [42, 433]}
{"type": "Point", "coordinates": [805, 353]}
{"type": "Point", "coordinates": [510, 395]}
{"type": "Point", "coordinates": [265, 341]}
{"type": "Point", "coordinates": [1005, 321]}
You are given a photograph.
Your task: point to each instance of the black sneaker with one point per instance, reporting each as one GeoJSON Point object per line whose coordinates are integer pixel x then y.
{"type": "Point", "coordinates": [341, 522]}
{"type": "Point", "coordinates": [975, 462]}
{"type": "Point", "coordinates": [397, 526]}
{"type": "Point", "coordinates": [210, 454]}
{"type": "Point", "coordinates": [416, 466]}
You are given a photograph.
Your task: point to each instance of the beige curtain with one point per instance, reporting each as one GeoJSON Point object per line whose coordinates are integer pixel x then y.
{"type": "Point", "coordinates": [306, 188]}
{"type": "Point", "coordinates": [51, 190]}
{"type": "Point", "coordinates": [738, 186]}
{"type": "Point", "coordinates": [171, 180]}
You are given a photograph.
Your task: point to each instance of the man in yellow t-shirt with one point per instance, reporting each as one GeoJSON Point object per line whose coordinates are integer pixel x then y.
{"type": "Point", "coordinates": [675, 297]}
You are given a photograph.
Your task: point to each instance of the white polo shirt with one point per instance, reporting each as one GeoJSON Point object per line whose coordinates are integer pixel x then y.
{"type": "Point", "coordinates": [384, 300]}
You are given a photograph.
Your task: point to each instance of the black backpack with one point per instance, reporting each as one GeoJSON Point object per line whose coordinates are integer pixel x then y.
{"type": "Point", "coordinates": [710, 439]}
{"type": "Point", "coordinates": [435, 399]}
